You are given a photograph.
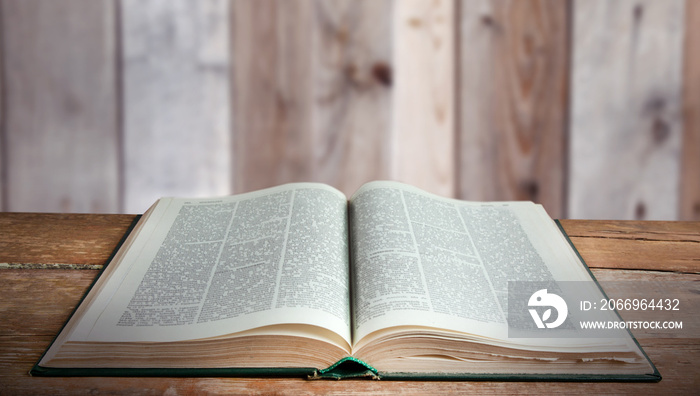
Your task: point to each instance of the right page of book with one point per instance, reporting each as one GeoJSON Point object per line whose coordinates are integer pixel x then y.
{"type": "Point", "coordinates": [427, 261]}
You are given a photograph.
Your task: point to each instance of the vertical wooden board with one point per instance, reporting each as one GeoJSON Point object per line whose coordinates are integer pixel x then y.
{"type": "Point", "coordinates": [61, 126]}
{"type": "Point", "coordinates": [175, 100]}
{"type": "Point", "coordinates": [626, 109]}
{"type": "Point", "coordinates": [352, 78]}
{"type": "Point", "coordinates": [423, 109]}
{"type": "Point", "coordinates": [513, 74]}
{"type": "Point", "coordinates": [690, 168]}
{"type": "Point", "coordinates": [271, 50]}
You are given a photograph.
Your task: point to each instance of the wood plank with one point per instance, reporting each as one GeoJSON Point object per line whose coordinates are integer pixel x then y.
{"type": "Point", "coordinates": [513, 73]}
{"type": "Point", "coordinates": [664, 246]}
{"type": "Point", "coordinates": [423, 115]}
{"type": "Point", "coordinates": [41, 300]}
{"type": "Point", "coordinates": [46, 240]}
{"type": "Point", "coordinates": [61, 108]}
{"type": "Point", "coordinates": [678, 231]}
{"type": "Point", "coordinates": [636, 254]}
{"type": "Point", "coordinates": [271, 93]}
{"type": "Point", "coordinates": [690, 168]}
{"type": "Point", "coordinates": [21, 346]}
{"type": "Point", "coordinates": [176, 100]}
{"type": "Point", "coordinates": [626, 109]}
{"type": "Point", "coordinates": [352, 79]}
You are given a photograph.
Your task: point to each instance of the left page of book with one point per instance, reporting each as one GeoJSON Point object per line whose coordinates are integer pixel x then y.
{"type": "Point", "coordinates": [202, 268]}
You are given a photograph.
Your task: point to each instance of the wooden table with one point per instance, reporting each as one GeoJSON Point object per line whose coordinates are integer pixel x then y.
{"type": "Point", "coordinates": [47, 262]}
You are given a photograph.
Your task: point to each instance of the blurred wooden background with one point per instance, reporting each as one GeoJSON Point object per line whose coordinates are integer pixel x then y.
{"type": "Point", "coordinates": [590, 107]}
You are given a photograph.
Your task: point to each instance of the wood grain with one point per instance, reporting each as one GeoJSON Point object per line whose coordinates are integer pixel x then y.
{"type": "Point", "coordinates": [176, 100]}
{"type": "Point", "coordinates": [271, 61]}
{"type": "Point", "coordinates": [61, 151]}
{"type": "Point", "coordinates": [40, 240]}
{"type": "Point", "coordinates": [637, 245]}
{"type": "Point", "coordinates": [352, 86]}
{"type": "Point", "coordinates": [626, 109]}
{"type": "Point", "coordinates": [513, 74]}
{"type": "Point", "coordinates": [690, 165]}
{"type": "Point", "coordinates": [27, 314]}
{"type": "Point", "coordinates": [423, 109]}
{"type": "Point", "coordinates": [22, 343]}
{"type": "Point", "coordinates": [672, 231]}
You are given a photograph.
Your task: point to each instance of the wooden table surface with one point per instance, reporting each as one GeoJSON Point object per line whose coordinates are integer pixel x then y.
{"type": "Point", "coordinates": [47, 261]}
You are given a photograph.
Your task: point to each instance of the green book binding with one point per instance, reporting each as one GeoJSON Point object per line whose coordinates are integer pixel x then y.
{"type": "Point", "coordinates": [348, 367]}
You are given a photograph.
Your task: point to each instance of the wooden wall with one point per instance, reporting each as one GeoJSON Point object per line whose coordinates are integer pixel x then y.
{"type": "Point", "coordinates": [591, 107]}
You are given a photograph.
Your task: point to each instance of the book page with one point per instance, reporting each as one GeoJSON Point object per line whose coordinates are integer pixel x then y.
{"type": "Point", "coordinates": [423, 260]}
{"type": "Point", "coordinates": [211, 267]}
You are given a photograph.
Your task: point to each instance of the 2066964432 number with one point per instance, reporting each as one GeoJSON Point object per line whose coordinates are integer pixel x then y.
{"type": "Point", "coordinates": [635, 304]}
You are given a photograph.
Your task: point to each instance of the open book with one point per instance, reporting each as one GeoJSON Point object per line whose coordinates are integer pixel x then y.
{"type": "Point", "coordinates": [297, 279]}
